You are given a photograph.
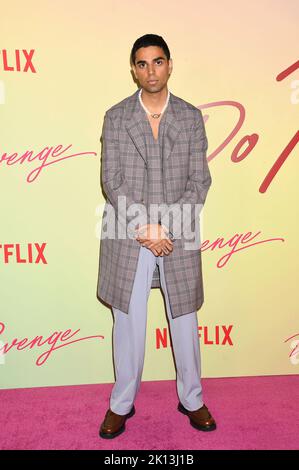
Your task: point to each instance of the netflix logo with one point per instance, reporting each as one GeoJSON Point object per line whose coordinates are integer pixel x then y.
{"type": "Point", "coordinates": [17, 60]}
{"type": "Point", "coordinates": [32, 253]}
{"type": "Point", "coordinates": [217, 335]}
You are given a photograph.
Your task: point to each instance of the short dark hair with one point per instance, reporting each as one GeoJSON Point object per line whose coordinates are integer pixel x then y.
{"type": "Point", "coordinates": [149, 40]}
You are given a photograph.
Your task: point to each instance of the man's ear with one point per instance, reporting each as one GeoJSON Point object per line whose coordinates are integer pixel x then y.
{"type": "Point", "coordinates": [170, 66]}
{"type": "Point", "coordinates": [134, 71]}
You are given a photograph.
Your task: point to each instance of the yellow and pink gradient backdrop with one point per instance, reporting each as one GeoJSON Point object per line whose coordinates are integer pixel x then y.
{"type": "Point", "coordinates": [225, 51]}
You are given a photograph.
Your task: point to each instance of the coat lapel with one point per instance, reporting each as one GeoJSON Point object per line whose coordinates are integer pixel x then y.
{"type": "Point", "coordinates": [135, 116]}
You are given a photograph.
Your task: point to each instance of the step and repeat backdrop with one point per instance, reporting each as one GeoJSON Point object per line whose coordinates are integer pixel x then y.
{"type": "Point", "coordinates": [62, 65]}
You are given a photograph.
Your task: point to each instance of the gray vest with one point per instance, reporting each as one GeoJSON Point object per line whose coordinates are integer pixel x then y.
{"type": "Point", "coordinates": [155, 192]}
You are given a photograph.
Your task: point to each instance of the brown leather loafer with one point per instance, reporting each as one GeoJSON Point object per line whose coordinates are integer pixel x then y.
{"type": "Point", "coordinates": [114, 424]}
{"type": "Point", "coordinates": [200, 419]}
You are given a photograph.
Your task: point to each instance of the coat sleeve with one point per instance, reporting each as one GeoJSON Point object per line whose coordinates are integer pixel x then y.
{"type": "Point", "coordinates": [174, 219]}
{"type": "Point", "coordinates": [117, 190]}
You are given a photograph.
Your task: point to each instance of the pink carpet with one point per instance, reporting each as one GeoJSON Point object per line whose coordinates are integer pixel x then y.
{"type": "Point", "coordinates": [251, 413]}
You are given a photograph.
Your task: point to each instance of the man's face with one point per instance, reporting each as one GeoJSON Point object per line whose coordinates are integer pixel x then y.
{"type": "Point", "coordinates": [151, 65]}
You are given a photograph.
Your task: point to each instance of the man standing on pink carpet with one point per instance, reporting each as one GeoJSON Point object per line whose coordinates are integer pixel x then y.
{"type": "Point", "coordinates": [153, 165]}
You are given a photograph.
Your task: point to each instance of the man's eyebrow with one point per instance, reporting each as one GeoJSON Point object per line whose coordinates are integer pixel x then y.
{"type": "Point", "coordinates": [144, 61]}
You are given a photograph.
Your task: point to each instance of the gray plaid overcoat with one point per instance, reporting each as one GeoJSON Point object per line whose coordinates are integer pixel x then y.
{"type": "Point", "coordinates": [186, 179]}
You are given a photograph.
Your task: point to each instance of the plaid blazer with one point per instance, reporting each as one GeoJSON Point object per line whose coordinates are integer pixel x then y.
{"type": "Point", "coordinates": [186, 179]}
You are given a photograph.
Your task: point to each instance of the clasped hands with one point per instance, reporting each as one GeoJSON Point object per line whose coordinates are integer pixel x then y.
{"type": "Point", "coordinates": [154, 237]}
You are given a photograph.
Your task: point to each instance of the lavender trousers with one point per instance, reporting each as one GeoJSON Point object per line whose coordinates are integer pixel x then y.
{"type": "Point", "coordinates": [129, 334]}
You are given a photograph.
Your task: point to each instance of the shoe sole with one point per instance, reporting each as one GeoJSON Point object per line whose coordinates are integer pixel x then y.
{"type": "Point", "coordinates": [120, 431]}
{"type": "Point", "coordinates": [197, 426]}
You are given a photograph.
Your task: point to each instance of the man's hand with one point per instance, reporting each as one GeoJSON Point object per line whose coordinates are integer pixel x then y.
{"type": "Point", "coordinates": [153, 236]}
{"type": "Point", "coordinates": [164, 247]}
